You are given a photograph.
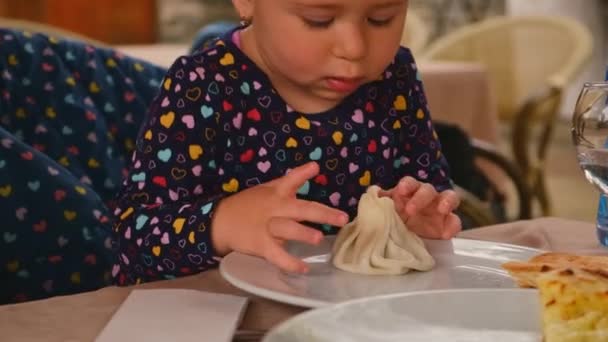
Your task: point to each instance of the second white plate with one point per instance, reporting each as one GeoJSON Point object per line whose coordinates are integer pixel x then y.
{"type": "Point", "coordinates": [460, 264]}
{"type": "Point", "coordinates": [477, 315]}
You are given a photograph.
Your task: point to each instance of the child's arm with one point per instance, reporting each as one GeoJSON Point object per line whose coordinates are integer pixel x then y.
{"type": "Point", "coordinates": [421, 144]}
{"type": "Point", "coordinates": [164, 211]}
{"type": "Point", "coordinates": [423, 196]}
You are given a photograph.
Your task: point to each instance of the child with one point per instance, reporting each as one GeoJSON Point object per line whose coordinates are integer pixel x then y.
{"type": "Point", "coordinates": [280, 126]}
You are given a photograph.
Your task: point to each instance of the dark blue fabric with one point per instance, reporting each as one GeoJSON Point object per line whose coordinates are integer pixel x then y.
{"type": "Point", "coordinates": [69, 115]}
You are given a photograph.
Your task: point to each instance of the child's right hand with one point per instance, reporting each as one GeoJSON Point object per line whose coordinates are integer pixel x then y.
{"type": "Point", "coordinates": [258, 221]}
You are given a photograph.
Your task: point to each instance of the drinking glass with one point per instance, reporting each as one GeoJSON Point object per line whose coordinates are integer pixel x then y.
{"type": "Point", "coordinates": [590, 137]}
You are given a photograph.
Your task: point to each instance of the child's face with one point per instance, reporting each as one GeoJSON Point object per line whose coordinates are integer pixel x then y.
{"type": "Point", "coordinates": [316, 52]}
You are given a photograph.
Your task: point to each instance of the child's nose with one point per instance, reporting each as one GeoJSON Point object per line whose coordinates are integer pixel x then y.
{"type": "Point", "coordinates": [350, 43]}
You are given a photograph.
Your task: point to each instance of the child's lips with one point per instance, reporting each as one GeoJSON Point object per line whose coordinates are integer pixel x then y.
{"type": "Point", "coordinates": [342, 84]}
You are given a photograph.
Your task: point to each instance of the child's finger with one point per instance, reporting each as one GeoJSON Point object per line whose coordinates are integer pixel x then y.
{"type": "Point", "coordinates": [275, 254]}
{"type": "Point", "coordinates": [286, 229]}
{"type": "Point", "coordinates": [400, 202]}
{"type": "Point", "coordinates": [447, 202]}
{"type": "Point", "coordinates": [301, 210]}
{"type": "Point", "coordinates": [401, 192]}
{"type": "Point", "coordinates": [452, 226]}
{"type": "Point", "coordinates": [292, 181]}
{"type": "Point", "coordinates": [386, 193]}
{"type": "Point", "coordinates": [408, 186]}
{"type": "Point", "coordinates": [395, 194]}
{"type": "Point", "coordinates": [421, 199]}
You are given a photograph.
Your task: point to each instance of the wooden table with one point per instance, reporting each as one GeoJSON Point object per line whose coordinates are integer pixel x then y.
{"type": "Point", "coordinates": [81, 317]}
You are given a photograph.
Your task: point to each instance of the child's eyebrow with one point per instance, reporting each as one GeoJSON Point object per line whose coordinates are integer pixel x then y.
{"type": "Point", "coordinates": [315, 4]}
{"type": "Point", "coordinates": [390, 3]}
{"type": "Point", "coordinates": [320, 4]}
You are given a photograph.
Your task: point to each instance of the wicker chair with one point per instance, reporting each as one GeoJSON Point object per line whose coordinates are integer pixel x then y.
{"type": "Point", "coordinates": [482, 213]}
{"type": "Point", "coordinates": [416, 33]}
{"type": "Point", "coordinates": [483, 201]}
{"type": "Point", "coordinates": [530, 60]}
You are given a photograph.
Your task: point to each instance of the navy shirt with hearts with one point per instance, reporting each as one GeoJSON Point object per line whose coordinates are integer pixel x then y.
{"type": "Point", "coordinates": [218, 127]}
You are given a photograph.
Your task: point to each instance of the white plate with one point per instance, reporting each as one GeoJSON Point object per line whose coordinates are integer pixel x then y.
{"type": "Point", "coordinates": [497, 315]}
{"type": "Point", "coordinates": [460, 263]}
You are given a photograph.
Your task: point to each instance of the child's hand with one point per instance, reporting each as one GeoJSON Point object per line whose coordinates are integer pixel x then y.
{"type": "Point", "coordinates": [426, 212]}
{"type": "Point", "coordinates": [258, 221]}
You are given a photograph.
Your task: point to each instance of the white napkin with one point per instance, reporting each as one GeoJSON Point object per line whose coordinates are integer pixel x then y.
{"type": "Point", "coordinates": [175, 315]}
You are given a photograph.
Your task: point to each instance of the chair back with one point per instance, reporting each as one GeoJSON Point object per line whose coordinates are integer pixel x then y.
{"type": "Point", "coordinates": [523, 54]}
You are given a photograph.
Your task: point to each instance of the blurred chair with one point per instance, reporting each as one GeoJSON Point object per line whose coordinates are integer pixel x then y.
{"type": "Point", "coordinates": [530, 61]}
{"type": "Point", "coordinates": [494, 208]}
{"type": "Point", "coordinates": [416, 32]}
{"type": "Point", "coordinates": [483, 202]}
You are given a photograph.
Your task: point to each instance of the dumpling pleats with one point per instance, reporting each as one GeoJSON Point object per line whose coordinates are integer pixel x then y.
{"type": "Point", "coordinates": [378, 242]}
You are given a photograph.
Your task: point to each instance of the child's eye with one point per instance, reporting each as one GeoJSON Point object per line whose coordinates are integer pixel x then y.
{"type": "Point", "coordinates": [380, 22]}
{"type": "Point", "coordinates": [317, 23]}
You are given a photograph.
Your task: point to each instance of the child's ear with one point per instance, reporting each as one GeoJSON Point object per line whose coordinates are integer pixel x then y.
{"type": "Point", "coordinates": [244, 8]}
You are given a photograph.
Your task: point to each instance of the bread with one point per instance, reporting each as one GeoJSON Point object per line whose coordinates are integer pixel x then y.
{"type": "Point", "coordinates": [575, 305]}
{"type": "Point", "coordinates": [574, 294]}
{"type": "Point", "coordinates": [378, 242]}
{"type": "Point", "coordinates": [526, 272]}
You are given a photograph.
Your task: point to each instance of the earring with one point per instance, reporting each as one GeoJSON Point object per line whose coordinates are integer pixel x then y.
{"type": "Point", "coordinates": [245, 21]}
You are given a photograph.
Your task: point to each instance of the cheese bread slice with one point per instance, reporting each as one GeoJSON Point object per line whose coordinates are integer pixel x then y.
{"type": "Point", "coordinates": [526, 272]}
{"type": "Point", "coordinates": [573, 291]}
{"type": "Point", "coordinates": [574, 305]}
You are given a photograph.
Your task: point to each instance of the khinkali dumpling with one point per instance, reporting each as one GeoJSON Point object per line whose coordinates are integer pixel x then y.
{"type": "Point", "coordinates": [378, 242]}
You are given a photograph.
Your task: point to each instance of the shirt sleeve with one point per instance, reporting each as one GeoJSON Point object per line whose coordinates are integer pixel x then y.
{"type": "Point", "coordinates": [166, 204]}
{"type": "Point", "coordinates": [419, 143]}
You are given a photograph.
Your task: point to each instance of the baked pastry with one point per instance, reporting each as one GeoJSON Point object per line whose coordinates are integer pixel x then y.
{"type": "Point", "coordinates": [573, 294]}
{"type": "Point", "coordinates": [526, 272]}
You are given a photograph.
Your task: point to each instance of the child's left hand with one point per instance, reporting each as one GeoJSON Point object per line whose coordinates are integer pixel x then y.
{"type": "Point", "coordinates": [426, 212]}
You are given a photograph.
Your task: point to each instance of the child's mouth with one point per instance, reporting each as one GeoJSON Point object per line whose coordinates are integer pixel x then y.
{"type": "Point", "coordinates": [343, 85]}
